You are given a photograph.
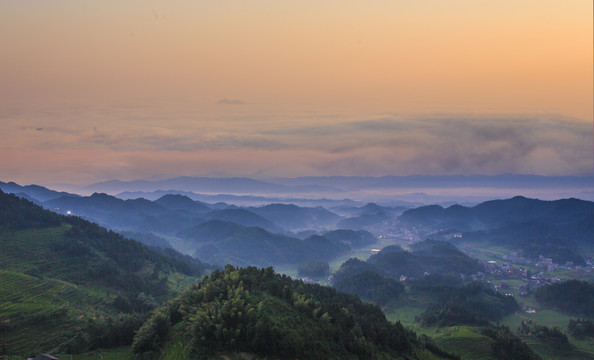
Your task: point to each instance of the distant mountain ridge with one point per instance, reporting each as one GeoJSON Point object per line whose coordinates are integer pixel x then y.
{"type": "Point", "coordinates": [182, 202]}
{"type": "Point", "coordinates": [234, 185]}
{"type": "Point", "coordinates": [442, 181]}
{"type": "Point", "coordinates": [34, 192]}
{"type": "Point", "coordinates": [244, 217]}
{"type": "Point", "coordinates": [294, 217]}
{"type": "Point", "coordinates": [138, 215]}
{"type": "Point", "coordinates": [495, 213]}
{"type": "Point", "coordinates": [420, 187]}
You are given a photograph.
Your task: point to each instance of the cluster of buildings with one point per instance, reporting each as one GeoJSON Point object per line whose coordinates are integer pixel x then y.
{"type": "Point", "coordinates": [516, 259]}
{"type": "Point", "coordinates": [530, 281]}
{"type": "Point", "coordinates": [546, 264]}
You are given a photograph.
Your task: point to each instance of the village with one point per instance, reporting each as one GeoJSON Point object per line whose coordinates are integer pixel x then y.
{"type": "Point", "coordinates": [529, 273]}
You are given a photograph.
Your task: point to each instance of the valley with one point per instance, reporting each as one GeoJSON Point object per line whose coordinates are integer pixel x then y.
{"type": "Point", "coordinates": [464, 281]}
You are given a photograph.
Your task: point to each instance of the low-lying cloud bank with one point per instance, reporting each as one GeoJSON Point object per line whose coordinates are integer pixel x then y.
{"type": "Point", "coordinates": [132, 144]}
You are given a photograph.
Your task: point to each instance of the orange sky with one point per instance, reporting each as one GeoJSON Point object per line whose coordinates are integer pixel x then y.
{"type": "Point", "coordinates": [113, 81]}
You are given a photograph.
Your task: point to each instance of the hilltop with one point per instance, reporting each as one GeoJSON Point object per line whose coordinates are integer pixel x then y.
{"type": "Point", "coordinates": [263, 313]}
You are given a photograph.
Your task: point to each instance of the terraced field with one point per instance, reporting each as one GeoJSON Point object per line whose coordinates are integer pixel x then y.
{"type": "Point", "coordinates": [23, 250]}
{"type": "Point", "coordinates": [47, 296]}
{"type": "Point", "coordinates": [463, 341]}
{"type": "Point", "coordinates": [38, 313]}
{"type": "Point", "coordinates": [549, 352]}
{"type": "Point", "coordinates": [467, 348]}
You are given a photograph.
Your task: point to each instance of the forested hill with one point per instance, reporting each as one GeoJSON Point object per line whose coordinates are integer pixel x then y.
{"type": "Point", "coordinates": [57, 273]}
{"type": "Point", "coordinates": [260, 312]}
{"type": "Point", "coordinates": [496, 213]}
{"type": "Point", "coordinates": [85, 241]}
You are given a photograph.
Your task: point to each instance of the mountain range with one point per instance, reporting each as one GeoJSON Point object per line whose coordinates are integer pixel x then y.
{"type": "Point", "coordinates": [403, 190]}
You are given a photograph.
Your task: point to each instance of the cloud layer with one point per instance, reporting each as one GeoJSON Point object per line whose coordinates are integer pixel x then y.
{"type": "Point", "coordinates": [129, 142]}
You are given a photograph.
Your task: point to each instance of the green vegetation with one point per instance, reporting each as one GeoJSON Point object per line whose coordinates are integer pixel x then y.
{"type": "Point", "coordinates": [257, 311]}
{"type": "Point", "coordinates": [532, 239]}
{"type": "Point", "coordinates": [360, 278]}
{"type": "Point", "coordinates": [428, 256]}
{"type": "Point", "coordinates": [581, 328]}
{"type": "Point", "coordinates": [558, 229]}
{"type": "Point", "coordinates": [67, 285]}
{"type": "Point", "coordinates": [553, 336]}
{"type": "Point", "coordinates": [16, 213]}
{"type": "Point", "coordinates": [375, 279]}
{"type": "Point", "coordinates": [465, 341]}
{"type": "Point", "coordinates": [471, 304]}
{"type": "Point", "coordinates": [481, 343]}
{"type": "Point", "coordinates": [573, 296]}
{"type": "Point", "coordinates": [370, 286]}
{"type": "Point", "coordinates": [508, 346]}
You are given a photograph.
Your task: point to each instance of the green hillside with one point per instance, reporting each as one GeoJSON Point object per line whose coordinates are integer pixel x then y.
{"type": "Point", "coordinates": [67, 285]}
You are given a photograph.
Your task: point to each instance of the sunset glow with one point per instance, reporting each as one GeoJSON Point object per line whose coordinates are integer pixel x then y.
{"type": "Point", "coordinates": [98, 90]}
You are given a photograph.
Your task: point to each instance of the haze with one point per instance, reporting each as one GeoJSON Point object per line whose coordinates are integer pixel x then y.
{"type": "Point", "coordinates": [91, 91]}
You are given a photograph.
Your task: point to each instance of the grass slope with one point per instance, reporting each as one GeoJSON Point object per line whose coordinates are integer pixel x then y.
{"type": "Point", "coordinates": [66, 283]}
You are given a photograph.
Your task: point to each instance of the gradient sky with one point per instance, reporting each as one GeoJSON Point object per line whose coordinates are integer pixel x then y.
{"type": "Point", "coordinates": [97, 90]}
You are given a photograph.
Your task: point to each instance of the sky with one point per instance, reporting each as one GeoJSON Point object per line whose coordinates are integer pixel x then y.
{"type": "Point", "coordinates": [99, 90]}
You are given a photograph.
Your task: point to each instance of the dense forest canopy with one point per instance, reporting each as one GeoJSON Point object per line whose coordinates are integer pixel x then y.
{"type": "Point", "coordinates": [573, 296]}
{"type": "Point", "coordinates": [259, 311]}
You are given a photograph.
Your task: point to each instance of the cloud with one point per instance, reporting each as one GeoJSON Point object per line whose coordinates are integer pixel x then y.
{"type": "Point", "coordinates": [450, 145]}
{"type": "Point", "coordinates": [136, 142]}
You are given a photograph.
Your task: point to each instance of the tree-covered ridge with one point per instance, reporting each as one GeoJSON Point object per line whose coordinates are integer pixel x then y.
{"type": "Point", "coordinates": [261, 312]}
{"type": "Point", "coordinates": [355, 239]}
{"type": "Point", "coordinates": [573, 296]}
{"type": "Point", "coordinates": [377, 278]}
{"type": "Point", "coordinates": [371, 286]}
{"type": "Point", "coordinates": [555, 229]}
{"type": "Point", "coordinates": [496, 213]}
{"type": "Point", "coordinates": [469, 304]}
{"type": "Point", "coordinates": [101, 253]}
{"type": "Point", "coordinates": [18, 213]}
{"type": "Point", "coordinates": [532, 239]}
{"type": "Point", "coordinates": [581, 328]}
{"type": "Point", "coordinates": [226, 242]}
{"type": "Point", "coordinates": [293, 217]}
{"type": "Point", "coordinates": [428, 256]}
{"type": "Point", "coordinates": [507, 346]}
{"type": "Point", "coordinates": [363, 279]}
